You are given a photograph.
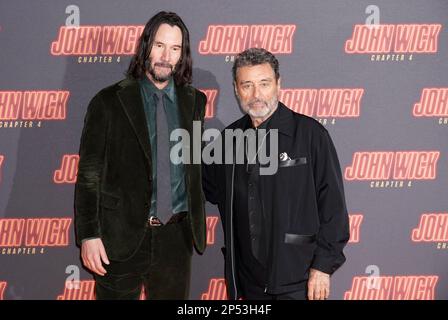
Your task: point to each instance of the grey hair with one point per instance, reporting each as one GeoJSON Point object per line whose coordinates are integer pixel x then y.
{"type": "Point", "coordinates": [253, 57]}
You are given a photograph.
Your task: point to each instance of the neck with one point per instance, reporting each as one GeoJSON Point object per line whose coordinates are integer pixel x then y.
{"type": "Point", "coordinates": [159, 85]}
{"type": "Point", "coordinates": [257, 121]}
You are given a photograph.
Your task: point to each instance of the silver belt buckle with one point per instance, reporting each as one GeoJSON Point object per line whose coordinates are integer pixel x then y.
{"type": "Point", "coordinates": [154, 221]}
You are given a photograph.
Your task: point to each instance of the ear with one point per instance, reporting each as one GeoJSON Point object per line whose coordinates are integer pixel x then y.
{"type": "Point", "coordinates": [279, 81]}
{"type": "Point", "coordinates": [234, 88]}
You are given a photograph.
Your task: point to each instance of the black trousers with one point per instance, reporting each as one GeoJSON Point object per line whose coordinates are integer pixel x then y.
{"type": "Point", "coordinates": [162, 265]}
{"type": "Point", "coordinates": [256, 293]}
{"type": "Point", "coordinates": [252, 291]}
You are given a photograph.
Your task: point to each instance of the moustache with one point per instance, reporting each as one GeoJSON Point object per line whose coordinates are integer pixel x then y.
{"type": "Point", "coordinates": [252, 102]}
{"type": "Point", "coordinates": [163, 65]}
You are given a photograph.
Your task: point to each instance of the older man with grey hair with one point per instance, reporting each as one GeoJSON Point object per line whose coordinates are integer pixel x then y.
{"type": "Point", "coordinates": [284, 232]}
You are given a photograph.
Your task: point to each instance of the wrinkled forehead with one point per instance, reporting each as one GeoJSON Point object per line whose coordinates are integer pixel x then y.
{"type": "Point", "coordinates": [255, 73]}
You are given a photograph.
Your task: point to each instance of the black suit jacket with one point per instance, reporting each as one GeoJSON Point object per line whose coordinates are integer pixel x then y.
{"type": "Point", "coordinates": [114, 183]}
{"type": "Point", "coordinates": [305, 197]}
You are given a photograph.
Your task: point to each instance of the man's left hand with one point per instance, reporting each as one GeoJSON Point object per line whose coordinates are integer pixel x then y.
{"type": "Point", "coordinates": [318, 285]}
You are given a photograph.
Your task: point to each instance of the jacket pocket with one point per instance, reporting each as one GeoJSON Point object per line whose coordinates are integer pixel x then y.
{"type": "Point", "coordinates": [295, 257]}
{"type": "Point", "coordinates": [109, 201]}
{"type": "Point", "coordinates": [299, 239]}
{"type": "Point", "coordinates": [292, 162]}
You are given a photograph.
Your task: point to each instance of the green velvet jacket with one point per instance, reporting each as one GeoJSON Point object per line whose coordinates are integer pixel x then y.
{"type": "Point", "coordinates": [114, 183]}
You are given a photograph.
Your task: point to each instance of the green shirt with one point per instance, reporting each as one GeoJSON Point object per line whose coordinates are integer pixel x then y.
{"type": "Point", "coordinates": [179, 198]}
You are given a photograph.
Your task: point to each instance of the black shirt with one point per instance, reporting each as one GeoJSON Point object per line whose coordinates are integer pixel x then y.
{"type": "Point", "coordinates": [252, 224]}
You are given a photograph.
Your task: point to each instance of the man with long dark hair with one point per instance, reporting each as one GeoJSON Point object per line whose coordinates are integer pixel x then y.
{"type": "Point", "coordinates": [138, 214]}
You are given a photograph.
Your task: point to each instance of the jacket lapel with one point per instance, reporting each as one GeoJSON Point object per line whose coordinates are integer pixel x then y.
{"type": "Point", "coordinates": [132, 103]}
{"type": "Point", "coordinates": [186, 104]}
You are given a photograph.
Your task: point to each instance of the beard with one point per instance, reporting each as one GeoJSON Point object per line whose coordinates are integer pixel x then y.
{"type": "Point", "coordinates": [159, 75]}
{"type": "Point", "coordinates": [262, 111]}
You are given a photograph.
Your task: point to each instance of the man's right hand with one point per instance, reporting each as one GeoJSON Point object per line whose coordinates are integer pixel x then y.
{"type": "Point", "coordinates": [92, 253]}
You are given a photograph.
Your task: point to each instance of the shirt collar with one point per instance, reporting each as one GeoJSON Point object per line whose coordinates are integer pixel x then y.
{"type": "Point", "coordinates": [168, 90]}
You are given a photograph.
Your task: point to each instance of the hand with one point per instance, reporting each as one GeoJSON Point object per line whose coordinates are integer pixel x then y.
{"type": "Point", "coordinates": [318, 285]}
{"type": "Point", "coordinates": [92, 252]}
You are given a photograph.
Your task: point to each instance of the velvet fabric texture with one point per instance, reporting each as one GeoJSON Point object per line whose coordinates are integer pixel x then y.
{"type": "Point", "coordinates": [162, 264]}
{"type": "Point", "coordinates": [114, 184]}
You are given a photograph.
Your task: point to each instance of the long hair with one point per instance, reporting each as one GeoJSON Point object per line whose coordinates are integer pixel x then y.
{"type": "Point", "coordinates": [138, 65]}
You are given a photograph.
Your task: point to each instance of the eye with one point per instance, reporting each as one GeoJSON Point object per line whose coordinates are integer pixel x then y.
{"type": "Point", "coordinates": [264, 84]}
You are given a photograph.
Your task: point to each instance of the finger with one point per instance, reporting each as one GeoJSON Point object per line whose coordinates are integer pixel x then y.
{"type": "Point", "coordinates": [320, 291]}
{"type": "Point", "coordinates": [84, 261]}
{"type": "Point", "coordinates": [90, 264]}
{"type": "Point", "coordinates": [316, 294]}
{"type": "Point", "coordinates": [93, 266]}
{"type": "Point", "coordinates": [104, 255]}
{"type": "Point", "coordinates": [87, 265]}
{"type": "Point", "coordinates": [327, 292]}
{"type": "Point", "coordinates": [98, 265]}
{"type": "Point", "coordinates": [310, 291]}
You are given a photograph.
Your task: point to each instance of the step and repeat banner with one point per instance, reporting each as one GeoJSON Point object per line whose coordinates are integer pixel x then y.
{"type": "Point", "coordinates": [374, 73]}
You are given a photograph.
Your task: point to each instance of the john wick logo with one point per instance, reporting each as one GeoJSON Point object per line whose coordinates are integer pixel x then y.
{"type": "Point", "coordinates": [433, 103]}
{"type": "Point", "coordinates": [92, 40]}
{"type": "Point", "coordinates": [433, 227]}
{"type": "Point", "coordinates": [96, 43]}
{"type": "Point", "coordinates": [233, 39]}
{"type": "Point", "coordinates": [381, 166]}
{"type": "Point", "coordinates": [325, 104]}
{"type": "Point", "coordinates": [78, 290]}
{"type": "Point", "coordinates": [24, 236]}
{"type": "Point", "coordinates": [392, 41]}
{"type": "Point", "coordinates": [68, 171]}
{"type": "Point", "coordinates": [3, 285]}
{"type": "Point", "coordinates": [83, 290]}
{"type": "Point", "coordinates": [216, 290]}
{"type": "Point", "coordinates": [211, 227]}
{"type": "Point", "coordinates": [211, 98]}
{"type": "Point", "coordinates": [355, 226]}
{"type": "Point", "coordinates": [27, 109]}
{"type": "Point", "coordinates": [418, 287]}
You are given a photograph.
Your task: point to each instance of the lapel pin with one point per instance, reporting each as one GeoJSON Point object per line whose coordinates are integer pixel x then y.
{"type": "Point", "coordinates": [284, 156]}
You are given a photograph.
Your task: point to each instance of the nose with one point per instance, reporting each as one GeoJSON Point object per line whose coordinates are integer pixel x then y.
{"type": "Point", "coordinates": [166, 55]}
{"type": "Point", "coordinates": [256, 92]}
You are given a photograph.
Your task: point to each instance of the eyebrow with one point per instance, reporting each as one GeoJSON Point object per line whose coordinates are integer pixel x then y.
{"type": "Point", "coordinates": [160, 42]}
{"type": "Point", "coordinates": [262, 80]}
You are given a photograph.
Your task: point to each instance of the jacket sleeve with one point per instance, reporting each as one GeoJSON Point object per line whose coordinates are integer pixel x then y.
{"type": "Point", "coordinates": [333, 232]}
{"type": "Point", "coordinates": [209, 183]}
{"type": "Point", "coordinates": [213, 178]}
{"type": "Point", "coordinates": [91, 159]}
{"type": "Point", "coordinates": [205, 170]}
